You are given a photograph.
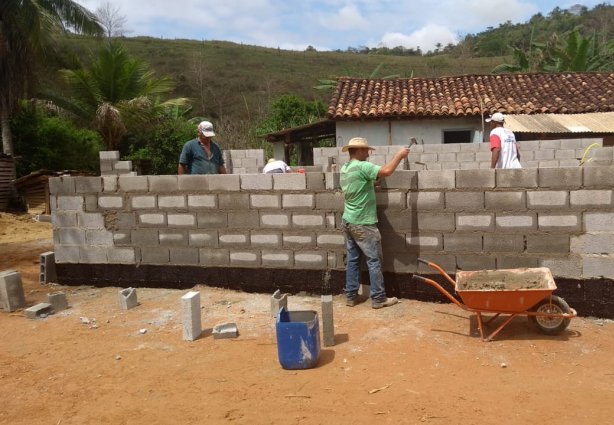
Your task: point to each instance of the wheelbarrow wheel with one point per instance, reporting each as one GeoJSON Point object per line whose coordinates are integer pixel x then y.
{"type": "Point", "coordinates": [551, 325]}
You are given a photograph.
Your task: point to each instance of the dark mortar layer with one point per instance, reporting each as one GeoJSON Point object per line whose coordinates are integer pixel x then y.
{"type": "Point", "coordinates": [592, 297]}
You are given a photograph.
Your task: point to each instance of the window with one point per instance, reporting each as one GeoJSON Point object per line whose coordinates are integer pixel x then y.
{"type": "Point", "coordinates": [457, 136]}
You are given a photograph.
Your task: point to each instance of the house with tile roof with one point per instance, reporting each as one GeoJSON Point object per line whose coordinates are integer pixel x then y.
{"type": "Point", "coordinates": [452, 109]}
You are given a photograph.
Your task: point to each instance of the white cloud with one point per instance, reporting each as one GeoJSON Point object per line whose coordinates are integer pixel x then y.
{"type": "Point", "coordinates": [346, 18]}
{"type": "Point", "coordinates": [426, 38]}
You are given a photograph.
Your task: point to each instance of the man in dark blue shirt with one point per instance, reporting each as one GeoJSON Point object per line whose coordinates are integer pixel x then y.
{"type": "Point", "coordinates": [201, 155]}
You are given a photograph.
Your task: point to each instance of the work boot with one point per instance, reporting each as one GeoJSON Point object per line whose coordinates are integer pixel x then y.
{"type": "Point", "coordinates": [353, 302]}
{"type": "Point", "coordinates": [386, 302]}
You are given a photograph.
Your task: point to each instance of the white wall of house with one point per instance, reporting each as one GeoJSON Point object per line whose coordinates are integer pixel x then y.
{"type": "Point", "coordinates": [397, 132]}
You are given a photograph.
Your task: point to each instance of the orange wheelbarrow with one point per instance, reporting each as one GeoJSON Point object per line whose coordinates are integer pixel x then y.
{"type": "Point", "coordinates": [513, 292]}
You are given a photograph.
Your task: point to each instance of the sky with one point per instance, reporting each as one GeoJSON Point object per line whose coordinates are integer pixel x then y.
{"type": "Point", "coordinates": [325, 24]}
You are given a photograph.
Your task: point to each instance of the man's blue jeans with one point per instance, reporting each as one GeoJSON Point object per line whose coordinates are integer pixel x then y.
{"type": "Point", "coordinates": [365, 240]}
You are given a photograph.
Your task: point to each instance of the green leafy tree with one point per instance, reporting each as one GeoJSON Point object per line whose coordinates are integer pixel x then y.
{"type": "Point", "coordinates": [113, 92]}
{"type": "Point", "coordinates": [291, 111]}
{"type": "Point", "coordinates": [330, 84]}
{"type": "Point", "coordinates": [27, 29]}
{"type": "Point", "coordinates": [45, 140]}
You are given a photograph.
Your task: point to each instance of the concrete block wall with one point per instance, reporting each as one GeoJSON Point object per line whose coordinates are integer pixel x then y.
{"type": "Point", "coordinates": [462, 156]}
{"type": "Point", "coordinates": [110, 164]}
{"type": "Point", "coordinates": [244, 161]}
{"type": "Point", "coordinates": [562, 218]}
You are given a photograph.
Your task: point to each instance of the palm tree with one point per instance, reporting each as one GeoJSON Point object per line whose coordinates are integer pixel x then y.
{"type": "Point", "coordinates": [114, 92]}
{"type": "Point", "coordinates": [27, 28]}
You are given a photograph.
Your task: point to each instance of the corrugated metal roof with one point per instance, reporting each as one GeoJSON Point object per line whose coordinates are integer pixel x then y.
{"type": "Point", "coordinates": [593, 122]}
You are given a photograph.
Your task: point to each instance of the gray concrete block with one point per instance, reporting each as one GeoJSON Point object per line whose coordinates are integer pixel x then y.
{"type": "Point", "coordinates": [329, 201]}
{"type": "Point", "coordinates": [516, 261]}
{"type": "Point", "coordinates": [299, 239]}
{"type": "Point", "coordinates": [193, 183]}
{"type": "Point", "coordinates": [173, 237]}
{"type": "Point", "coordinates": [598, 266]}
{"type": "Point", "coordinates": [122, 238]}
{"type": "Point", "coordinates": [57, 300]}
{"type": "Point", "coordinates": [425, 200]}
{"type": "Point", "coordinates": [212, 220]}
{"type": "Point", "coordinates": [171, 201]}
{"type": "Point", "coordinates": [143, 202]}
{"type": "Point", "coordinates": [225, 330]}
{"type": "Point", "coordinates": [544, 154]}
{"type": "Point", "coordinates": [516, 222]}
{"type": "Point", "coordinates": [599, 176]}
{"type": "Point", "coordinates": [203, 238]}
{"type": "Point", "coordinates": [190, 316]}
{"type": "Point", "coordinates": [278, 301]}
{"type": "Point", "coordinates": [62, 185]}
{"type": "Point", "coordinates": [66, 254]}
{"type": "Point", "coordinates": [145, 237]}
{"type": "Point", "coordinates": [264, 201]}
{"type": "Point", "coordinates": [88, 184]}
{"type": "Point", "coordinates": [243, 219]}
{"type": "Point", "coordinates": [564, 222]}
{"type": "Point", "coordinates": [424, 242]}
{"type": "Point", "coordinates": [224, 182]}
{"type": "Point", "coordinates": [91, 221]}
{"type": "Point", "coordinates": [64, 219]}
{"type": "Point", "coordinates": [292, 181]}
{"type": "Point", "coordinates": [155, 255]}
{"type": "Point", "coordinates": [233, 238]}
{"type": "Point", "coordinates": [304, 201]}
{"type": "Point", "coordinates": [508, 201]}
{"type": "Point", "coordinates": [592, 243]}
{"type": "Point", "coordinates": [133, 183]}
{"type": "Point", "coordinates": [265, 239]}
{"type": "Point", "coordinates": [445, 179]}
{"type": "Point", "coordinates": [11, 291]}
{"type": "Point", "coordinates": [245, 258]}
{"type": "Point", "coordinates": [214, 257]}
{"type": "Point", "coordinates": [316, 181]}
{"type": "Point", "coordinates": [401, 179]}
{"type": "Point", "coordinates": [99, 237]}
{"type": "Point", "coordinates": [470, 179]}
{"type": "Point", "coordinates": [127, 298]}
{"type": "Point", "coordinates": [560, 177]}
{"type": "Point", "coordinates": [307, 220]}
{"type": "Point", "coordinates": [459, 242]}
{"type": "Point", "coordinates": [39, 310]}
{"type": "Point", "coordinates": [151, 219]}
{"type": "Point", "coordinates": [328, 321]}
{"type": "Point", "coordinates": [47, 270]}
{"type": "Point", "coordinates": [185, 256]}
{"type": "Point", "coordinates": [310, 259]}
{"type": "Point", "coordinates": [109, 155]}
{"type": "Point", "coordinates": [162, 184]}
{"type": "Point", "coordinates": [569, 266]}
{"type": "Point", "coordinates": [181, 220]}
{"type": "Point", "coordinates": [233, 201]}
{"type": "Point", "coordinates": [444, 222]}
{"type": "Point", "coordinates": [464, 201]}
{"type": "Point", "coordinates": [202, 201]}
{"type": "Point", "coordinates": [277, 258]}
{"type": "Point", "coordinates": [332, 181]}
{"type": "Point", "coordinates": [598, 221]}
{"type": "Point", "coordinates": [111, 202]}
{"type": "Point", "coordinates": [548, 199]}
{"type": "Point", "coordinates": [523, 178]}
{"type": "Point", "coordinates": [331, 240]}
{"type": "Point", "coordinates": [483, 222]}
{"type": "Point", "coordinates": [71, 236]}
{"type": "Point", "coordinates": [499, 242]}
{"type": "Point", "coordinates": [121, 255]}
{"type": "Point", "coordinates": [476, 262]}
{"type": "Point", "coordinates": [256, 182]}
{"type": "Point", "coordinates": [392, 200]}
{"type": "Point", "coordinates": [548, 243]}
{"type": "Point", "coordinates": [124, 167]}
{"type": "Point", "coordinates": [72, 203]}
{"type": "Point", "coordinates": [591, 198]}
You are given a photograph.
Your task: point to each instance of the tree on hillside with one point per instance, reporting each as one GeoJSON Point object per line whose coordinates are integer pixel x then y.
{"type": "Point", "coordinates": [113, 22]}
{"type": "Point", "coordinates": [27, 28]}
{"type": "Point", "coordinates": [114, 92]}
{"type": "Point", "coordinates": [330, 84]}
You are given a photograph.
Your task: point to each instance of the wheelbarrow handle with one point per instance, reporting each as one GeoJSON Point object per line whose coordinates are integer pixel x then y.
{"type": "Point", "coordinates": [438, 269]}
{"type": "Point", "coordinates": [423, 261]}
{"type": "Point", "coordinates": [440, 289]}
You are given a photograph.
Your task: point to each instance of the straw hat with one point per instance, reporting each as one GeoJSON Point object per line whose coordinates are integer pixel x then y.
{"type": "Point", "coordinates": [357, 143]}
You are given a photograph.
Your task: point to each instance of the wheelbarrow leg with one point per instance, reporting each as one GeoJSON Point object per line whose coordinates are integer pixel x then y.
{"type": "Point", "coordinates": [504, 324]}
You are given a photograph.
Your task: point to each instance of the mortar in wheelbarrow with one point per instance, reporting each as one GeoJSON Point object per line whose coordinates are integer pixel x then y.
{"type": "Point", "coordinates": [504, 290]}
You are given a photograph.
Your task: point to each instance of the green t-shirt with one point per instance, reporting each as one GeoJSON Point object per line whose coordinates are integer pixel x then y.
{"type": "Point", "coordinates": [357, 179]}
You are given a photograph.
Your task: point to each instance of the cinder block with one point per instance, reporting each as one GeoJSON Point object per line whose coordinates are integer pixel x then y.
{"type": "Point", "coordinates": [598, 221]}
{"type": "Point", "coordinates": [11, 291]}
{"type": "Point", "coordinates": [329, 201]}
{"type": "Point", "coordinates": [202, 201]}
{"type": "Point", "coordinates": [245, 258]}
{"type": "Point", "coordinates": [331, 240]}
{"type": "Point", "coordinates": [598, 266]}
{"type": "Point", "coordinates": [163, 183]}
{"type": "Point", "coordinates": [292, 181]}
{"type": "Point", "coordinates": [548, 199]}
{"type": "Point", "coordinates": [233, 201]}
{"type": "Point", "coordinates": [99, 237]}
{"type": "Point", "coordinates": [64, 219]}
{"type": "Point", "coordinates": [424, 242]}
{"type": "Point", "coordinates": [109, 156]}
{"type": "Point", "coordinates": [124, 255]}
{"type": "Point", "coordinates": [328, 321]}
{"type": "Point", "coordinates": [475, 262]}
{"type": "Point", "coordinates": [62, 186]}
{"type": "Point", "coordinates": [518, 222]}
{"type": "Point", "coordinates": [297, 240]}
{"type": "Point", "coordinates": [123, 167]}
{"type": "Point", "coordinates": [435, 222]}
{"type": "Point", "coordinates": [58, 301]}
{"type": "Point", "coordinates": [459, 242]}
{"type": "Point", "coordinates": [569, 266]}
{"type": "Point", "coordinates": [187, 256]}
{"type": "Point", "coordinates": [548, 243]}
{"type": "Point", "coordinates": [425, 200]}
{"type": "Point", "coordinates": [483, 222]}
{"type": "Point", "coordinates": [315, 181]}
{"type": "Point", "coordinates": [152, 219]}
{"type": "Point", "coordinates": [588, 243]}
{"type": "Point", "coordinates": [256, 182]}
{"type": "Point", "coordinates": [127, 298]}
{"type": "Point", "coordinates": [155, 255]}
{"type": "Point", "coordinates": [190, 316]}
{"type": "Point", "coordinates": [305, 201]}
{"type": "Point", "coordinates": [224, 182]}
{"type": "Point", "coordinates": [225, 330]}
{"type": "Point", "coordinates": [109, 183]}
{"type": "Point", "coordinates": [544, 154]}
{"type": "Point", "coordinates": [332, 181]}
{"type": "Point", "coordinates": [591, 198]}
{"type": "Point", "coordinates": [243, 219]}
{"type": "Point", "coordinates": [560, 177]}
{"type": "Point", "coordinates": [308, 220]}
{"type": "Point", "coordinates": [145, 237]}
{"type": "Point", "coordinates": [203, 238]}
{"type": "Point", "coordinates": [47, 268]}
{"type": "Point", "coordinates": [88, 184]}
{"type": "Point", "coordinates": [278, 301]}
{"type": "Point", "coordinates": [469, 179]}
{"type": "Point", "coordinates": [265, 239]}
{"type": "Point", "coordinates": [508, 201]}
{"type": "Point", "coordinates": [310, 259]}
{"type": "Point", "coordinates": [499, 242]}
{"type": "Point", "coordinates": [72, 203]}
{"type": "Point", "coordinates": [516, 261]}
{"type": "Point", "coordinates": [233, 238]}
{"type": "Point", "coordinates": [111, 202]}
{"type": "Point", "coordinates": [71, 236]}
{"type": "Point", "coordinates": [464, 201]}
{"type": "Point", "coordinates": [91, 221]}
{"type": "Point", "coordinates": [193, 183]}
{"type": "Point", "coordinates": [277, 258]}
{"type": "Point", "coordinates": [173, 237]}
{"type": "Point", "coordinates": [445, 179]}
{"type": "Point", "coordinates": [401, 179]}
{"type": "Point", "coordinates": [568, 222]}
{"type": "Point", "coordinates": [599, 176]}
{"type": "Point", "coordinates": [38, 310]}
{"type": "Point", "coordinates": [171, 201]}
{"type": "Point", "coordinates": [181, 220]}
{"type": "Point", "coordinates": [523, 177]}
{"type": "Point", "coordinates": [143, 201]}
{"type": "Point", "coordinates": [66, 254]}
{"type": "Point", "coordinates": [213, 220]}
{"type": "Point", "coordinates": [391, 200]}
{"type": "Point", "coordinates": [214, 257]}
{"type": "Point", "coordinates": [133, 183]}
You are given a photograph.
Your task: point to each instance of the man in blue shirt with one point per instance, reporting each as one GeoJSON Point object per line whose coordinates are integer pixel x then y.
{"type": "Point", "coordinates": [201, 155]}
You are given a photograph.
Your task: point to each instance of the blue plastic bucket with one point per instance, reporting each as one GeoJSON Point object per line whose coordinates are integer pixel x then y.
{"type": "Point", "coordinates": [298, 339]}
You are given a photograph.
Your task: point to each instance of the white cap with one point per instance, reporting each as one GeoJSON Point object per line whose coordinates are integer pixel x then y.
{"type": "Point", "coordinates": [496, 117]}
{"type": "Point", "coordinates": [206, 129]}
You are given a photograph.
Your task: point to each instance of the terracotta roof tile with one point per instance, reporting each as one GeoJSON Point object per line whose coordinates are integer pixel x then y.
{"type": "Point", "coordinates": [469, 95]}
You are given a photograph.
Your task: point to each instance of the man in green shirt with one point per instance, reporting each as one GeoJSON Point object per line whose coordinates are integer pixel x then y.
{"type": "Point", "coordinates": [360, 220]}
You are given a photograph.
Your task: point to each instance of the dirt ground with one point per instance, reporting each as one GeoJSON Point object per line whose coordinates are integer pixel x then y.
{"type": "Point", "coordinates": [411, 363]}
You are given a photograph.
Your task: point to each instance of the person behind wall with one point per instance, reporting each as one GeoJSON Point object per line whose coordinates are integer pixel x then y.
{"type": "Point", "coordinates": [503, 145]}
{"type": "Point", "coordinates": [201, 155]}
{"type": "Point", "coordinates": [276, 166]}
{"type": "Point", "coordinates": [359, 220]}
